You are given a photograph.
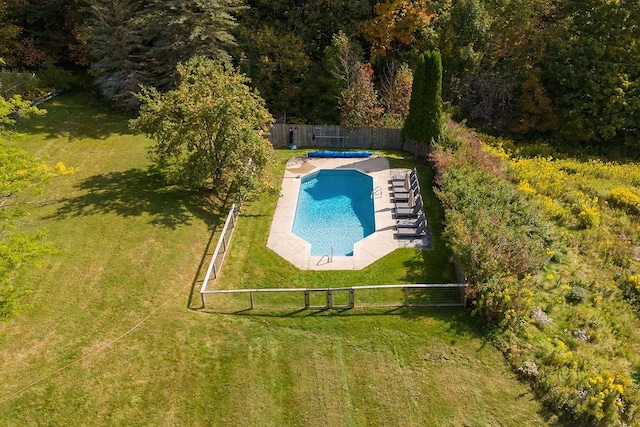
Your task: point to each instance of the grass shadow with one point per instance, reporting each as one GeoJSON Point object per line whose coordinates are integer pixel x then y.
{"type": "Point", "coordinates": [76, 116]}
{"type": "Point", "coordinates": [137, 192]}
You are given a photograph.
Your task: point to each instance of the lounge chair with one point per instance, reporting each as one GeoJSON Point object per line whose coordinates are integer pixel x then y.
{"type": "Point", "coordinates": [409, 212]}
{"type": "Point", "coordinates": [400, 178]}
{"type": "Point", "coordinates": [412, 223]}
{"type": "Point", "coordinates": [410, 179]}
{"type": "Point", "coordinates": [403, 196]}
{"type": "Point", "coordinates": [419, 231]}
{"type": "Point", "coordinates": [417, 199]}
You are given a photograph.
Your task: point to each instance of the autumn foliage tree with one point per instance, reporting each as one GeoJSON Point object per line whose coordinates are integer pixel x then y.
{"type": "Point", "coordinates": [211, 131]}
{"type": "Point", "coordinates": [396, 24]}
{"type": "Point", "coordinates": [359, 103]}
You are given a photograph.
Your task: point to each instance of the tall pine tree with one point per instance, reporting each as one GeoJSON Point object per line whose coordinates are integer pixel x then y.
{"type": "Point", "coordinates": [136, 42]}
{"type": "Point", "coordinates": [424, 121]}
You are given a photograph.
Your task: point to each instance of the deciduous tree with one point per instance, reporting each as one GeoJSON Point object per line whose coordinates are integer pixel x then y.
{"type": "Point", "coordinates": [396, 23]}
{"type": "Point", "coordinates": [19, 172]}
{"type": "Point", "coordinates": [359, 103]}
{"type": "Point", "coordinates": [211, 130]}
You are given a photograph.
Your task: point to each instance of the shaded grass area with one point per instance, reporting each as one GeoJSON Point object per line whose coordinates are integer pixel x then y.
{"type": "Point", "coordinates": [111, 307]}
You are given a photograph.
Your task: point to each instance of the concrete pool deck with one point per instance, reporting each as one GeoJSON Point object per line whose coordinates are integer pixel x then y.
{"type": "Point", "coordinates": [366, 251]}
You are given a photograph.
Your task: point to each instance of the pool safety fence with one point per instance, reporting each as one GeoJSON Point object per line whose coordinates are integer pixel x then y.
{"type": "Point", "coordinates": [367, 296]}
{"type": "Point", "coordinates": [222, 247]}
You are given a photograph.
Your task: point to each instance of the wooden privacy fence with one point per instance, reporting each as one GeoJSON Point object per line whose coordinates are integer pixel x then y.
{"type": "Point", "coordinates": [414, 295]}
{"type": "Point", "coordinates": [338, 137]}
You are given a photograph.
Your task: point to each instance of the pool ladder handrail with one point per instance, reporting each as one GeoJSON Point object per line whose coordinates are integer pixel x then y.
{"type": "Point", "coordinates": [329, 257]}
{"type": "Point", "coordinates": [376, 192]}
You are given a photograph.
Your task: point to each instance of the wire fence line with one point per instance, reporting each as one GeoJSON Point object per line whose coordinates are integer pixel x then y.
{"type": "Point", "coordinates": [222, 247]}
{"type": "Point", "coordinates": [341, 298]}
{"type": "Point", "coordinates": [412, 295]}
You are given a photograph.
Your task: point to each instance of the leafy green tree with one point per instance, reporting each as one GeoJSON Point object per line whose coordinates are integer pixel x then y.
{"type": "Point", "coordinates": [462, 28]}
{"type": "Point", "coordinates": [424, 121]}
{"type": "Point", "coordinates": [594, 75]}
{"type": "Point", "coordinates": [277, 64]}
{"type": "Point", "coordinates": [211, 131]}
{"type": "Point", "coordinates": [19, 172]}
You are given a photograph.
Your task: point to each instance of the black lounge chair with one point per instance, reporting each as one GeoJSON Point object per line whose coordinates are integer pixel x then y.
{"type": "Point", "coordinates": [409, 212]}
{"type": "Point", "coordinates": [412, 223]}
{"type": "Point", "coordinates": [419, 231]}
{"type": "Point", "coordinates": [400, 178]}
{"type": "Point", "coordinates": [400, 185]}
{"type": "Point", "coordinates": [404, 195]}
{"type": "Point", "coordinates": [417, 199]}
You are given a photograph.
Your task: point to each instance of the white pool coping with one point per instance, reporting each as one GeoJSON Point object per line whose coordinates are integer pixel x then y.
{"type": "Point", "coordinates": [366, 251]}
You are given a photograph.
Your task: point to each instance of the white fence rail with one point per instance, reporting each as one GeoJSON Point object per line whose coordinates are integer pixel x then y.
{"type": "Point", "coordinates": [413, 295]}
{"type": "Point", "coordinates": [222, 247]}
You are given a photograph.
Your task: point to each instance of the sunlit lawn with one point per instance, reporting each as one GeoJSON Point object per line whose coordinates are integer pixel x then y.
{"type": "Point", "coordinates": [112, 335]}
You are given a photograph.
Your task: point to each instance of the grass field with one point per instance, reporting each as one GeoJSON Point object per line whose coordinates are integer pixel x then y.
{"type": "Point", "coordinates": [112, 335]}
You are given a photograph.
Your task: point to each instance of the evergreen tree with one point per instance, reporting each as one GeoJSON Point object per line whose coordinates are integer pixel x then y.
{"type": "Point", "coordinates": [136, 42]}
{"type": "Point", "coordinates": [118, 46]}
{"type": "Point", "coordinates": [424, 121]}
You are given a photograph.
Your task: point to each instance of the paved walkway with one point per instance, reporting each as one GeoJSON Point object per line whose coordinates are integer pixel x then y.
{"type": "Point", "coordinates": [298, 251]}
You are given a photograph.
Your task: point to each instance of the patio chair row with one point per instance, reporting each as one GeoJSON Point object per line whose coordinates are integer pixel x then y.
{"type": "Point", "coordinates": [410, 218]}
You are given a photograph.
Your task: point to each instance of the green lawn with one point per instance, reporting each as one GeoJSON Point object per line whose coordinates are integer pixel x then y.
{"type": "Point", "coordinates": [112, 334]}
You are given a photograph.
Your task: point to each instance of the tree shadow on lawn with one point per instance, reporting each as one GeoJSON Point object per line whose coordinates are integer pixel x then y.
{"type": "Point", "coordinates": [430, 265]}
{"type": "Point", "coordinates": [77, 116]}
{"type": "Point", "coordinates": [137, 192]}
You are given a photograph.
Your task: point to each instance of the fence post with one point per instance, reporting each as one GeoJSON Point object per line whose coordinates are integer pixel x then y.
{"type": "Point", "coordinates": [406, 296]}
{"type": "Point", "coordinates": [352, 298]}
{"type": "Point", "coordinates": [251, 297]}
{"type": "Point", "coordinates": [306, 300]}
{"type": "Point", "coordinates": [329, 300]}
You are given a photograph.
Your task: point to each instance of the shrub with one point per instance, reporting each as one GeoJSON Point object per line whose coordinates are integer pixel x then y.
{"type": "Point", "coordinates": [576, 294]}
{"type": "Point", "coordinates": [625, 199]}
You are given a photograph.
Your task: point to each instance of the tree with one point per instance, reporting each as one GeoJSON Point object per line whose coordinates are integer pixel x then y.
{"type": "Point", "coordinates": [209, 131]}
{"type": "Point", "coordinates": [396, 23]}
{"type": "Point", "coordinates": [50, 31]}
{"type": "Point", "coordinates": [277, 64]}
{"type": "Point", "coordinates": [396, 94]}
{"type": "Point", "coordinates": [359, 104]}
{"type": "Point", "coordinates": [594, 75]}
{"type": "Point", "coordinates": [19, 172]}
{"type": "Point", "coordinates": [136, 42]}
{"type": "Point", "coordinates": [180, 29]}
{"type": "Point", "coordinates": [118, 46]}
{"type": "Point", "coordinates": [424, 121]}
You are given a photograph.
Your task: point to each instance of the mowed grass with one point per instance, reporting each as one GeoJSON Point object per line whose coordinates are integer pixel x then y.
{"type": "Point", "coordinates": [112, 334]}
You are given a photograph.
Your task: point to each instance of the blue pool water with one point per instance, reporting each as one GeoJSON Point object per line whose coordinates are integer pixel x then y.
{"type": "Point", "coordinates": [335, 209]}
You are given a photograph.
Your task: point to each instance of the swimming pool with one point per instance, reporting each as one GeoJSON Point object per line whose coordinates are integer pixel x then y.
{"type": "Point", "coordinates": [334, 210]}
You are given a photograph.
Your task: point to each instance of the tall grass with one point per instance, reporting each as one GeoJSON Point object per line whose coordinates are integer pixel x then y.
{"type": "Point", "coordinates": [568, 321]}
